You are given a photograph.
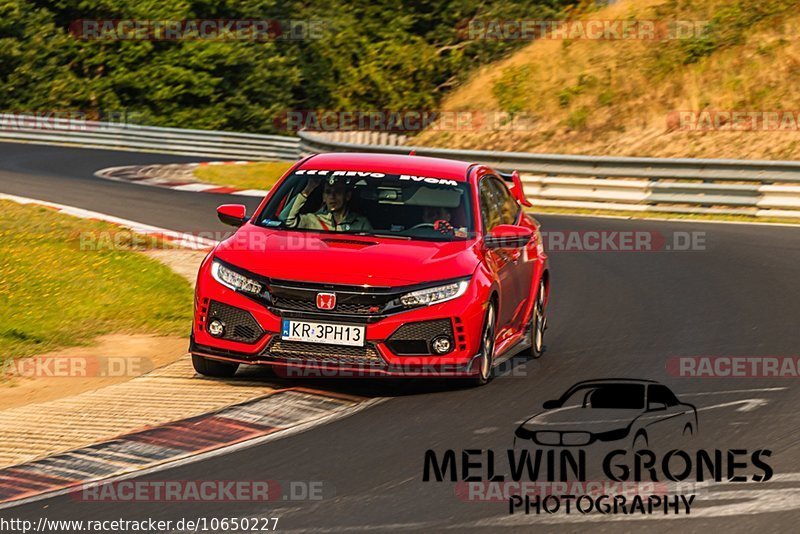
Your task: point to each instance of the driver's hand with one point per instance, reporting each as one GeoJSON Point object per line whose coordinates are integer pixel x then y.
{"type": "Point", "coordinates": [313, 183]}
{"type": "Point", "coordinates": [444, 227]}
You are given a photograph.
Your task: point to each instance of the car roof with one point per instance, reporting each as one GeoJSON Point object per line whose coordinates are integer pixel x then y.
{"type": "Point", "coordinates": [390, 164]}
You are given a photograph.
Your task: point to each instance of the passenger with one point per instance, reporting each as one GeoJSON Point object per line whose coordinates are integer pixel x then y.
{"type": "Point", "coordinates": [334, 214]}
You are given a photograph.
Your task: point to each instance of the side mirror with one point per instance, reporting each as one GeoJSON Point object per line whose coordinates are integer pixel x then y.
{"type": "Point", "coordinates": [232, 214]}
{"type": "Point", "coordinates": [508, 236]}
{"type": "Point", "coordinates": [551, 404]}
{"type": "Point", "coordinates": [656, 406]}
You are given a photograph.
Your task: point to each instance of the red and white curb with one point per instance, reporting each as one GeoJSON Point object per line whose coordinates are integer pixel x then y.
{"type": "Point", "coordinates": [278, 414]}
{"type": "Point", "coordinates": [179, 239]}
{"type": "Point", "coordinates": [281, 413]}
{"type": "Point", "coordinates": [177, 176]}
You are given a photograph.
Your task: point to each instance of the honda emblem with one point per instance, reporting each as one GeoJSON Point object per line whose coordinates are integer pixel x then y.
{"type": "Point", "coordinates": [326, 301]}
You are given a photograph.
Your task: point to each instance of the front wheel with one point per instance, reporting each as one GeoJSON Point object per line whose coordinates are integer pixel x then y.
{"type": "Point", "coordinates": [538, 323]}
{"type": "Point", "coordinates": [213, 368]}
{"type": "Point", "coordinates": [486, 359]}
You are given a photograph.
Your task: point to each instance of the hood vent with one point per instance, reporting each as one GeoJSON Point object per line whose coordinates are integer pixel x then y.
{"type": "Point", "coordinates": [347, 243]}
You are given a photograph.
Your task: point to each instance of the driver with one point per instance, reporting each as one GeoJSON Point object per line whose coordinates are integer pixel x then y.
{"type": "Point", "coordinates": [333, 216]}
{"type": "Point", "coordinates": [439, 218]}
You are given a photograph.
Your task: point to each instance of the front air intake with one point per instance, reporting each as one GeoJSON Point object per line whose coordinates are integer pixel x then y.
{"type": "Point", "coordinates": [238, 324]}
{"type": "Point", "coordinates": [415, 339]}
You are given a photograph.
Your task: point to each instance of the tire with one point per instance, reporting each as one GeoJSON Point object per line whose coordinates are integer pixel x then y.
{"type": "Point", "coordinates": [213, 368]}
{"type": "Point", "coordinates": [486, 368]}
{"type": "Point", "coordinates": [538, 324]}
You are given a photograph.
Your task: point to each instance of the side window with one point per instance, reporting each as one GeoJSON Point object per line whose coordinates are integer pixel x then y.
{"type": "Point", "coordinates": [662, 394]}
{"type": "Point", "coordinates": [490, 209]}
{"type": "Point", "coordinates": [509, 209]}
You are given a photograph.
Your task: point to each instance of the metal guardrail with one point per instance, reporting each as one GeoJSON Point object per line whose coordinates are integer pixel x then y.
{"type": "Point", "coordinates": [202, 143]}
{"type": "Point", "coordinates": [719, 186]}
{"type": "Point", "coordinates": [722, 186]}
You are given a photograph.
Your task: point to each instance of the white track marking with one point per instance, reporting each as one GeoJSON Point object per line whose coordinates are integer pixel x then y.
{"type": "Point", "coordinates": [179, 238]}
{"type": "Point", "coordinates": [333, 416]}
{"type": "Point", "coordinates": [755, 390]}
{"type": "Point", "coordinates": [193, 187]}
{"type": "Point", "coordinates": [252, 192]}
{"type": "Point", "coordinates": [659, 219]}
{"type": "Point", "coordinates": [758, 501]}
{"type": "Point", "coordinates": [748, 405]}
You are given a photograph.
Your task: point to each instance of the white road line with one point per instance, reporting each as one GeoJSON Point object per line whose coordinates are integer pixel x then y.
{"type": "Point", "coordinates": [633, 217]}
{"type": "Point", "coordinates": [748, 405]}
{"type": "Point", "coordinates": [764, 501]}
{"type": "Point", "coordinates": [252, 192]}
{"type": "Point", "coordinates": [755, 390]}
{"type": "Point", "coordinates": [182, 239]}
{"type": "Point", "coordinates": [193, 187]}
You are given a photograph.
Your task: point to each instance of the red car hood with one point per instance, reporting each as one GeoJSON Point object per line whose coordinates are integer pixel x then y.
{"type": "Point", "coordinates": [346, 259]}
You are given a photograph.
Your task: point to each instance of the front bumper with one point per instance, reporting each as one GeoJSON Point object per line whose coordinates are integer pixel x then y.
{"type": "Point", "coordinates": [546, 437]}
{"type": "Point", "coordinates": [258, 341]}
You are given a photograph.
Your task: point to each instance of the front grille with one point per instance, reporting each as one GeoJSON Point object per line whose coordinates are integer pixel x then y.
{"type": "Point", "coordinates": [359, 303]}
{"type": "Point", "coordinates": [350, 300]}
{"type": "Point", "coordinates": [239, 324]}
{"type": "Point", "coordinates": [415, 338]}
{"type": "Point", "coordinates": [302, 352]}
{"type": "Point", "coordinates": [310, 305]}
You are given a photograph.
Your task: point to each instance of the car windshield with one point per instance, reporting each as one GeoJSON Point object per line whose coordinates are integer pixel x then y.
{"type": "Point", "coordinates": [607, 396]}
{"type": "Point", "coordinates": [371, 203]}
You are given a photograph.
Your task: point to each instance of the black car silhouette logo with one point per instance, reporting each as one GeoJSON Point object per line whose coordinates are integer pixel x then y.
{"type": "Point", "coordinates": [642, 411]}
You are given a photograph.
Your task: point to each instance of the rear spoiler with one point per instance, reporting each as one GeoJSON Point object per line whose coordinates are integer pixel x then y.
{"type": "Point", "coordinates": [516, 187]}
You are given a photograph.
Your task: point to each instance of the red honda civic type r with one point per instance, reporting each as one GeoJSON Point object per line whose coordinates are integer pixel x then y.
{"type": "Point", "coordinates": [375, 265]}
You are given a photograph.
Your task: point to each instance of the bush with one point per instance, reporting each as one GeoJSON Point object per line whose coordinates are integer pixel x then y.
{"type": "Point", "coordinates": [373, 55]}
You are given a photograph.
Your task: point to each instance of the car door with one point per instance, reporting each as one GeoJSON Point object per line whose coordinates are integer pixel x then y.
{"type": "Point", "coordinates": [521, 260]}
{"type": "Point", "coordinates": [500, 260]}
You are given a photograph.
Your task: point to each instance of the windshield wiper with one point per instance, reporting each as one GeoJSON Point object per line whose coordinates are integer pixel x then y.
{"type": "Point", "coordinates": [392, 236]}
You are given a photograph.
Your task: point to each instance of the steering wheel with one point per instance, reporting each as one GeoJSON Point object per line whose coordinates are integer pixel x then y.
{"type": "Point", "coordinates": [422, 225]}
{"type": "Point", "coordinates": [441, 226]}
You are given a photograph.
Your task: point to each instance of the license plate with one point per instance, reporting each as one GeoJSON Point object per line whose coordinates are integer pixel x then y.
{"type": "Point", "coordinates": [332, 334]}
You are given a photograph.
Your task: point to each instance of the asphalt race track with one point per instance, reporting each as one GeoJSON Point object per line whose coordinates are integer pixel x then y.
{"type": "Point", "coordinates": [612, 314]}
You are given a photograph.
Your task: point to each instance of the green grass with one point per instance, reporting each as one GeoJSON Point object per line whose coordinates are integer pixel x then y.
{"type": "Point", "coordinates": [53, 294]}
{"type": "Point", "coordinates": [262, 175]}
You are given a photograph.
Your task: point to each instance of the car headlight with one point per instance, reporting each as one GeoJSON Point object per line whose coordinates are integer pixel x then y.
{"type": "Point", "coordinates": [230, 278]}
{"type": "Point", "coordinates": [423, 297]}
